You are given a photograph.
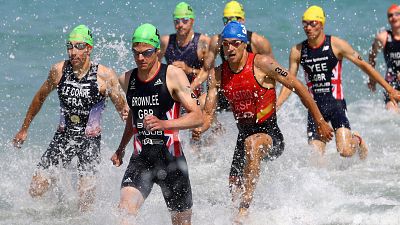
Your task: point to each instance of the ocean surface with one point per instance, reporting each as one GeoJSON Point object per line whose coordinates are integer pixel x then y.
{"type": "Point", "coordinates": [297, 188]}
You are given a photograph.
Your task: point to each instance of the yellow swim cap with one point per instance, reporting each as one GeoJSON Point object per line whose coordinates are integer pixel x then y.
{"type": "Point", "coordinates": [234, 8]}
{"type": "Point", "coordinates": [314, 13]}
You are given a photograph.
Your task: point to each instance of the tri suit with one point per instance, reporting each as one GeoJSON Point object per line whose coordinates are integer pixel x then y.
{"type": "Point", "coordinates": [79, 131]}
{"type": "Point", "coordinates": [253, 107]}
{"type": "Point", "coordinates": [323, 74]}
{"type": "Point", "coordinates": [223, 104]}
{"type": "Point", "coordinates": [391, 53]}
{"type": "Point", "coordinates": [187, 54]}
{"type": "Point", "coordinates": [158, 156]}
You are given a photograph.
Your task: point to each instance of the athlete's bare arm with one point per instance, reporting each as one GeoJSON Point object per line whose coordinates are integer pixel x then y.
{"type": "Point", "coordinates": [47, 87]}
{"type": "Point", "coordinates": [269, 68]}
{"type": "Point", "coordinates": [124, 80]}
{"type": "Point", "coordinates": [214, 48]}
{"type": "Point", "coordinates": [294, 62]}
{"type": "Point", "coordinates": [261, 45]}
{"type": "Point", "coordinates": [342, 49]}
{"type": "Point", "coordinates": [117, 157]}
{"type": "Point", "coordinates": [377, 45]}
{"type": "Point", "coordinates": [179, 88]}
{"type": "Point", "coordinates": [201, 74]}
{"type": "Point", "coordinates": [109, 86]}
{"type": "Point", "coordinates": [214, 82]}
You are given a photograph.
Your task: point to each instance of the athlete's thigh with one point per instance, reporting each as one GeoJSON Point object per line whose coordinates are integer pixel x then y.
{"type": "Point", "coordinates": [89, 155]}
{"type": "Point", "coordinates": [139, 175]}
{"type": "Point", "coordinates": [258, 145]}
{"type": "Point", "coordinates": [338, 115]}
{"type": "Point", "coordinates": [131, 199]}
{"type": "Point", "coordinates": [55, 152]}
{"type": "Point", "coordinates": [176, 186]}
{"type": "Point", "coordinates": [343, 138]}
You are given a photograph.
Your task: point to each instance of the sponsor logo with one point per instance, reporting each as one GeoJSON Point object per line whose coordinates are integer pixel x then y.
{"type": "Point", "coordinates": [148, 141]}
{"type": "Point", "coordinates": [128, 180]}
{"type": "Point", "coordinates": [158, 82]}
{"type": "Point", "coordinates": [325, 48]}
{"type": "Point", "coordinates": [132, 84]}
{"type": "Point", "coordinates": [75, 119]}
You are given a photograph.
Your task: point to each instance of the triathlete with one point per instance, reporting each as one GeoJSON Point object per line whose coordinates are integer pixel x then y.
{"type": "Point", "coordinates": [155, 93]}
{"type": "Point", "coordinates": [82, 88]}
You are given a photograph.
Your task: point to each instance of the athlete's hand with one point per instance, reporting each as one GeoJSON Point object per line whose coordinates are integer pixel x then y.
{"type": "Point", "coordinates": [152, 123]}
{"type": "Point", "coordinates": [183, 66]}
{"type": "Point", "coordinates": [196, 133]}
{"type": "Point", "coordinates": [371, 85]}
{"type": "Point", "coordinates": [124, 113]}
{"type": "Point", "coordinates": [325, 131]}
{"type": "Point", "coordinates": [117, 157]}
{"type": "Point", "coordinates": [394, 96]}
{"type": "Point", "coordinates": [19, 138]}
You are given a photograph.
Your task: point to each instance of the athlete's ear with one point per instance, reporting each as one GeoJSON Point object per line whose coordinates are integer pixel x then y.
{"type": "Point", "coordinates": [89, 49]}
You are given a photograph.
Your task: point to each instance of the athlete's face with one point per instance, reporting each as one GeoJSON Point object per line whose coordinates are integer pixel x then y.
{"type": "Point", "coordinates": [78, 53]}
{"type": "Point", "coordinates": [394, 18]}
{"type": "Point", "coordinates": [233, 49]}
{"type": "Point", "coordinates": [312, 28]}
{"type": "Point", "coordinates": [183, 25]}
{"type": "Point", "coordinates": [145, 55]}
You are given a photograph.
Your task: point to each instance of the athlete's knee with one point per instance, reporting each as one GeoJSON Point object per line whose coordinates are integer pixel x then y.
{"type": "Point", "coordinates": [181, 218]}
{"type": "Point", "coordinates": [257, 146]}
{"type": "Point", "coordinates": [346, 151]}
{"type": "Point", "coordinates": [131, 200]}
{"type": "Point", "coordinates": [87, 192]}
{"type": "Point", "coordinates": [234, 182]}
{"type": "Point", "coordinates": [39, 185]}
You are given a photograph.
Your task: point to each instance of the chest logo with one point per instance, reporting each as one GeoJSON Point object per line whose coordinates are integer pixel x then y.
{"type": "Point", "coordinates": [75, 119]}
{"type": "Point", "coordinates": [158, 82]}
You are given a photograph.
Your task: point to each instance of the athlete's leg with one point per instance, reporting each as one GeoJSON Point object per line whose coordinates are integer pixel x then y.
{"type": "Point", "coordinates": [86, 191]}
{"type": "Point", "coordinates": [39, 185]}
{"type": "Point", "coordinates": [131, 200]}
{"type": "Point", "coordinates": [181, 218]}
{"type": "Point", "coordinates": [88, 153]}
{"type": "Point", "coordinates": [348, 143]}
{"type": "Point", "coordinates": [318, 145]}
{"type": "Point", "coordinates": [256, 148]}
{"type": "Point", "coordinates": [392, 107]}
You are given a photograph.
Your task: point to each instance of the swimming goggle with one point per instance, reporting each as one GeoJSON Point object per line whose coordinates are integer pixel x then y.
{"type": "Point", "coordinates": [229, 19]}
{"type": "Point", "coordinates": [312, 23]}
{"type": "Point", "coordinates": [79, 46]}
{"type": "Point", "coordinates": [147, 53]}
{"type": "Point", "coordinates": [235, 43]}
{"type": "Point", "coordinates": [390, 15]}
{"type": "Point", "coordinates": [183, 20]}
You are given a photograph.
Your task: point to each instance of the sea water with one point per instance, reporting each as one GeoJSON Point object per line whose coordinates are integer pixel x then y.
{"type": "Point", "coordinates": [300, 187]}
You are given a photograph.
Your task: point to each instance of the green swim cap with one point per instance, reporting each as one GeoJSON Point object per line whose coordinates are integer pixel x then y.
{"type": "Point", "coordinates": [183, 10]}
{"type": "Point", "coordinates": [81, 33]}
{"type": "Point", "coordinates": [146, 33]}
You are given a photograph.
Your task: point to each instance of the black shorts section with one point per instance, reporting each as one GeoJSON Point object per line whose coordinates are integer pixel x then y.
{"type": "Point", "coordinates": [395, 85]}
{"type": "Point", "coordinates": [222, 104]}
{"type": "Point", "coordinates": [66, 145]}
{"type": "Point", "coordinates": [334, 111]}
{"type": "Point", "coordinates": [269, 127]}
{"type": "Point", "coordinates": [157, 165]}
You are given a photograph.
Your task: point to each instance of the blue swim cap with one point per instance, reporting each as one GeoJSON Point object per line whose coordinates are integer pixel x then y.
{"type": "Point", "coordinates": [234, 29]}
